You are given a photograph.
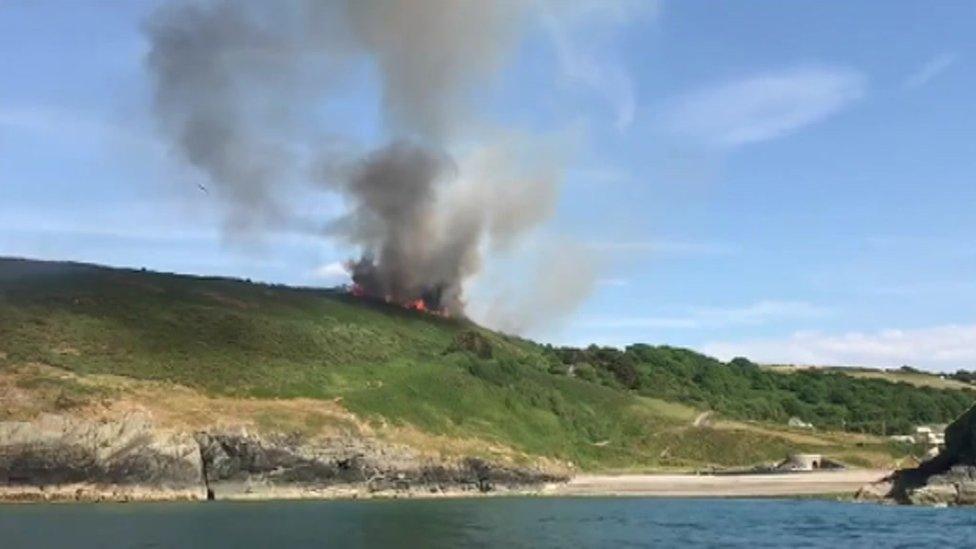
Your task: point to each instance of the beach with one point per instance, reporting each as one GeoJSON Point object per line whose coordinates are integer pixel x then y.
{"type": "Point", "coordinates": [760, 485]}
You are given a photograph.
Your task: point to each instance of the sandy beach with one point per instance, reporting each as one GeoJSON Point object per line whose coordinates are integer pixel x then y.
{"type": "Point", "coordinates": [792, 484]}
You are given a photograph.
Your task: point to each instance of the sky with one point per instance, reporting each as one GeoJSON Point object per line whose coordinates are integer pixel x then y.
{"type": "Point", "coordinates": [794, 182]}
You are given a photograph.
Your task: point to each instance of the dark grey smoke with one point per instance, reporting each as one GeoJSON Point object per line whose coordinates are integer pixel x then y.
{"type": "Point", "coordinates": [237, 88]}
{"type": "Point", "coordinates": [407, 253]}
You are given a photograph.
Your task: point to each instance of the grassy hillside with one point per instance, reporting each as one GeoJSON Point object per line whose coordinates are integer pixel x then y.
{"type": "Point", "coordinates": [69, 333]}
{"type": "Point", "coordinates": [827, 398]}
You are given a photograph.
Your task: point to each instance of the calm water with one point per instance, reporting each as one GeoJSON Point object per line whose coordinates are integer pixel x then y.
{"type": "Point", "coordinates": [501, 522]}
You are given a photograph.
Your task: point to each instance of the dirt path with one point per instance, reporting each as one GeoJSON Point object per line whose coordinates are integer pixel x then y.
{"type": "Point", "coordinates": [791, 484]}
{"type": "Point", "coordinates": [700, 420]}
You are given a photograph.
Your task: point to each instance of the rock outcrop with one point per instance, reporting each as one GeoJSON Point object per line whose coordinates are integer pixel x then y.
{"type": "Point", "coordinates": [241, 466]}
{"type": "Point", "coordinates": [57, 457]}
{"type": "Point", "coordinates": [947, 479]}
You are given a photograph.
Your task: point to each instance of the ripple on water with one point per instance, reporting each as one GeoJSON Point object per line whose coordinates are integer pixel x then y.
{"type": "Point", "coordinates": [494, 522]}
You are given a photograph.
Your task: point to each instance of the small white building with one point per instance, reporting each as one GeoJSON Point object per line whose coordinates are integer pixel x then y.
{"type": "Point", "coordinates": [931, 435]}
{"type": "Point", "coordinates": [798, 423]}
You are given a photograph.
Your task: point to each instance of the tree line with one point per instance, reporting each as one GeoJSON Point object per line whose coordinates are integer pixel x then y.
{"type": "Point", "coordinates": [742, 389]}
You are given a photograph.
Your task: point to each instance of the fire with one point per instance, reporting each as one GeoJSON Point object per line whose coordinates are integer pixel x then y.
{"type": "Point", "coordinates": [418, 304]}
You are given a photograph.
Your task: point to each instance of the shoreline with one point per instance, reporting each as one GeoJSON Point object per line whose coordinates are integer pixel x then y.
{"type": "Point", "coordinates": [785, 485]}
{"type": "Point", "coordinates": [812, 483]}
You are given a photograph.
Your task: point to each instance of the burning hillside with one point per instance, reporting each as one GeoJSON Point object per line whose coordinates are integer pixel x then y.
{"type": "Point", "coordinates": [367, 283]}
{"type": "Point", "coordinates": [418, 305]}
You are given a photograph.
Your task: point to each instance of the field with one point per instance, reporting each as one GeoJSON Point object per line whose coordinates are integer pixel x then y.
{"type": "Point", "coordinates": [91, 340]}
{"type": "Point", "coordinates": [918, 379]}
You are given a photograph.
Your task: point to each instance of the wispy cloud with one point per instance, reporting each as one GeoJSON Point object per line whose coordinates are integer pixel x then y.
{"type": "Point", "coordinates": [612, 282]}
{"type": "Point", "coordinates": [662, 246]}
{"type": "Point", "coordinates": [79, 127]}
{"type": "Point", "coordinates": [931, 70]}
{"type": "Point", "coordinates": [333, 272]}
{"type": "Point", "coordinates": [764, 107]}
{"type": "Point", "coordinates": [758, 313]}
{"type": "Point", "coordinates": [944, 347]}
{"type": "Point", "coordinates": [578, 32]}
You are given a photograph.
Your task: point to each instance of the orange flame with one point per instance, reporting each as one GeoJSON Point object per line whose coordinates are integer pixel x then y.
{"type": "Point", "coordinates": [418, 305]}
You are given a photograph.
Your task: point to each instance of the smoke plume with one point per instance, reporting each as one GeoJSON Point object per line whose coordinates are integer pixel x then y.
{"type": "Point", "coordinates": [239, 90]}
{"type": "Point", "coordinates": [564, 276]}
{"type": "Point", "coordinates": [408, 253]}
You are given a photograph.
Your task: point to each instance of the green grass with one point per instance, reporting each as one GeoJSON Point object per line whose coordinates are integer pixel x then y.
{"type": "Point", "coordinates": [235, 338]}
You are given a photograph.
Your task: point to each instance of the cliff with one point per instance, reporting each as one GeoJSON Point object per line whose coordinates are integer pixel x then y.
{"type": "Point", "coordinates": [62, 458]}
{"type": "Point", "coordinates": [947, 479]}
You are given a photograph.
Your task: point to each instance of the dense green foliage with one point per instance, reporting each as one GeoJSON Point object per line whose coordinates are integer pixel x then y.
{"type": "Point", "coordinates": [741, 389]}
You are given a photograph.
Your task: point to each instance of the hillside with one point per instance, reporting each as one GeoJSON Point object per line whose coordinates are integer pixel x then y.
{"type": "Point", "coordinates": [95, 342]}
{"type": "Point", "coordinates": [827, 398]}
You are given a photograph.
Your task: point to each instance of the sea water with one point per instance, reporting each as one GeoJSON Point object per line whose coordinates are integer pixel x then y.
{"type": "Point", "coordinates": [488, 522]}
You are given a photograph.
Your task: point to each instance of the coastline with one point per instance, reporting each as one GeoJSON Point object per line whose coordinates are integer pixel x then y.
{"type": "Point", "coordinates": [64, 458]}
{"type": "Point", "coordinates": [821, 483]}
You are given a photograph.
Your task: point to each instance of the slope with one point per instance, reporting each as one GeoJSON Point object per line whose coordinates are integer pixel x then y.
{"type": "Point", "coordinates": [88, 339]}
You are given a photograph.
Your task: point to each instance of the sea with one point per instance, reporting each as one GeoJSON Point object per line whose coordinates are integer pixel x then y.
{"type": "Point", "coordinates": [487, 522]}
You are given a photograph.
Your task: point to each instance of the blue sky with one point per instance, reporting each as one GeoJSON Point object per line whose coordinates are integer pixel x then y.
{"type": "Point", "coordinates": [791, 181]}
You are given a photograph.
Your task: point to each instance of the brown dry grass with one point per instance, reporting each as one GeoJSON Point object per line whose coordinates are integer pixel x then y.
{"type": "Point", "coordinates": [33, 389]}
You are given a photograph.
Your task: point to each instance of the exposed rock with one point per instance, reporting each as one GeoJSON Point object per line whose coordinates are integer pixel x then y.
{"type": "Point", "coordinates": [935, 494]}
{"type": "Point", "coordinates": [57, 451]}
{"type": "Point", "coordinates": [64, 458]}
{"type": "Point", "coordinates": [966, 493]}
{"type": "Point", "coordinates": [237, 465]}
{"type": "Point", "coordinates": [947, 479]}
{"type": "Point", "coordinates": [876, 492]}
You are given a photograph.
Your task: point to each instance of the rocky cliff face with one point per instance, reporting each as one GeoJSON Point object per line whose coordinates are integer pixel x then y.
{"type": "Point", "coordinates": [245, 466]}
{"type": "Point", "coordinates": [58, 457]}
{"type": "Point", "coordinates": [947, 479]}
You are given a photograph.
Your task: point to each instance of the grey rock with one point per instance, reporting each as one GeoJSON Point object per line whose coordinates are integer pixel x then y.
{"type": "Point", "coordinates": [933, 494]}
{"type": "Point", "coordinates": [57, 457]}
{"type": "Point", "coordinates": [874, 492]}
{"type": "Point", "coordinates": [947, 479]}
{"type": "Point", "coordinates": [62, 450]}
{"type": "Point", "coordinates": [967, 493]}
